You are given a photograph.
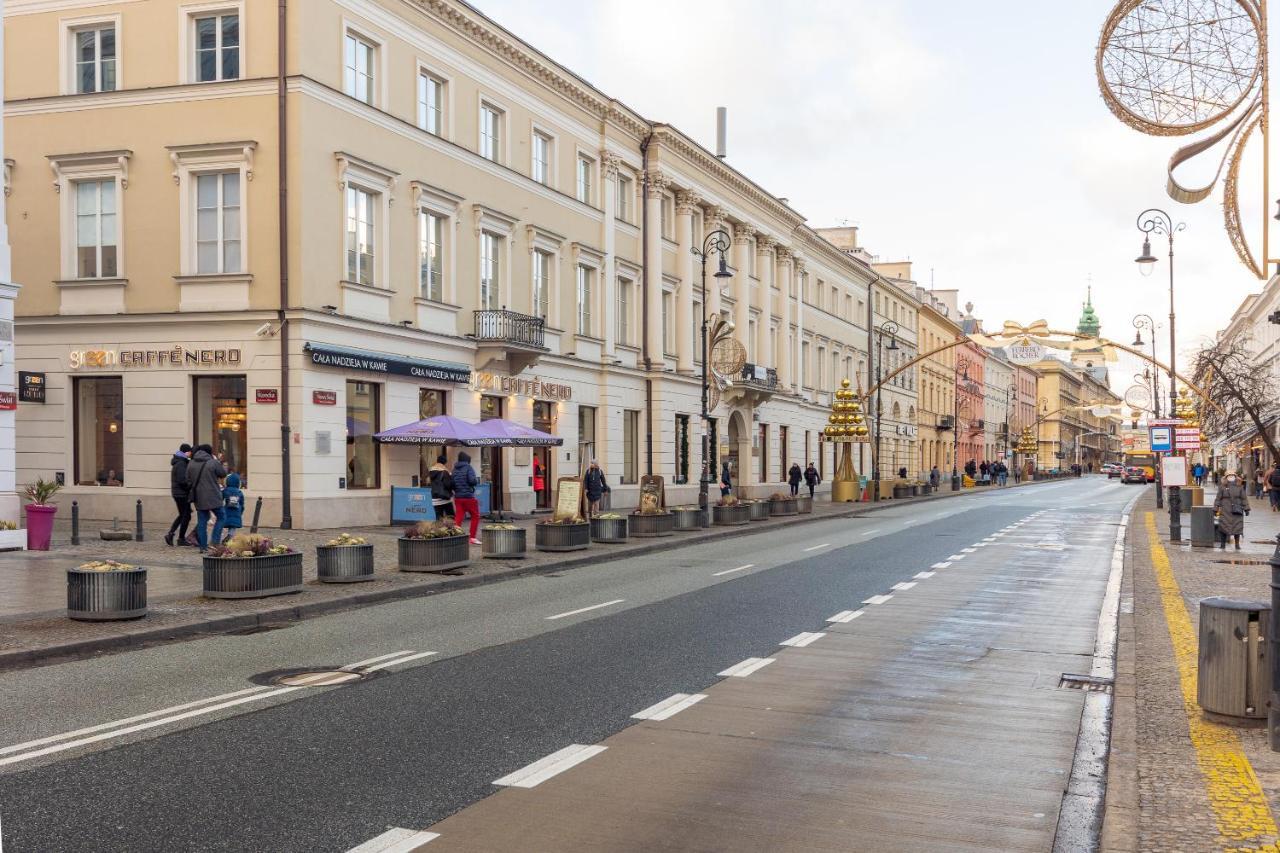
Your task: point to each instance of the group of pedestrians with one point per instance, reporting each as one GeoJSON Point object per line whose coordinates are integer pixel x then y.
{"type": "Point", "coordinates": [809, 476]}
{"type": "Point", "coordinates": [198, 478]}
{"type": "Point", "coordinates": [453, 492]}
{"type": "Point", "coordinates": [991, 472]}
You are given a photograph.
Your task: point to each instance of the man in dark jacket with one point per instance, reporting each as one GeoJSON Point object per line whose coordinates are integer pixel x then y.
{"type": "Point", "coordinates": [812, 478]}
{"type": "Point", "coordinates": [180, 493]}
{"type": "Point", "coordinates": [204, 475]}
{"type": "Point", "coordinates": [464, 493]}
{"type": "Point", "coordinates": [793, 479]}
{"type": "Point", "coordinates": [441, 483]}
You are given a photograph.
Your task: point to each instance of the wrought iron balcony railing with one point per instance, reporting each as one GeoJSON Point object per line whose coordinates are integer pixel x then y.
{"type": "Point", "coordinates": [753, 374]}
{"type": "Point", "coordinates": [509, 327]}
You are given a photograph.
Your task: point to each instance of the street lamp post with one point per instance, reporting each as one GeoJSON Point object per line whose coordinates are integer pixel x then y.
{"type": "Point", "coordinates": [962, 371]}
{"type": "Point", "coordinates": [892, 329]}
{"type": "Point", "coordinates": [1140, 322]}
{"type": "Point", "coordinates": [717, 241]}
{"type": "Point", "coordinates": [1157, 221]}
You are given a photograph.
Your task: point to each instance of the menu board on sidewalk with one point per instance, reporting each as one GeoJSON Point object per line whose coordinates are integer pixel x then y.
{"type": "Point", "coordinates": [568, 499]}
{"type": "Point", "coordinates": [652, 493]}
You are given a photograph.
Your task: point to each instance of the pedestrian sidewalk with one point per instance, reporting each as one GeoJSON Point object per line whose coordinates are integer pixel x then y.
{"type": "Point", "coordinates": [1178, 781]}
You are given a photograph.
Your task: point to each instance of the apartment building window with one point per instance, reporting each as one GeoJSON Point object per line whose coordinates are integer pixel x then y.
{"type": "Point", "coordinates": [218, 224]}
{"type": "Point", "coordinates": [586, 436]}
{"type": "Point", "coordinates": [99, 431]}
{"type": "Point", "coordinates": [542, 158]}
{"type": "Point", "coordinates": [585, 274]}
{"type": "Point", "coordinates": [541, 283]}
{"type": "Point", "coordinates": [490, 133]}
{"type": "Point", "coordinates": [431, 255]}
{"type": "Point", "coordinates": [622, 199]}
{"type": "Point", "coordinates": [668, 323]}
{"type": "Point", "coordinates": [361, 213]}
{"type": "Point", "coordinates": [682, 448]}
{"type": "Point", "coordinates": [752, 348]}
{"type": "Point", "coordinates": [622, 324]}
{"type": "Point", "coordinates": [783, 451]}
{"type": "Point", "coordinates": [97, 230]}
{"type": "Point", "coordinates": [490, 270]}
{"type": "Point", "coordinates": [359, 60]}
{"type": "Point", "coordinates": [363, 468]}
{"type": "Point", "coordinates": [217, 47]}
{"type": "Point", "coordinates": [630, 447]}
{"type": "Point", "coordinates": [806, 377]}
{"type": "Point", "coordinates": [430, 103]}
{"type": "Point", "coordinates": [697, 332]}
{"type": "Point", "coordinates": [94, 49]}
{"type": "Point", "coordinates": [668, 216]}
{"type": "Point", "coordinates": [764, 453]}
{"type": "Point", "coordinates": [585, 166]}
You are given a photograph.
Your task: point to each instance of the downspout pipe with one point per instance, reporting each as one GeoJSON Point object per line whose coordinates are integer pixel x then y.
{"type": "Point", "coordinates": [282, 134]}
{"type": "Point", "coordinates": [644, 301]}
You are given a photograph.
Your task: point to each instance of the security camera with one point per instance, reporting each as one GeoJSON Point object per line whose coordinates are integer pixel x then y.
{"type": "Point", "coordinates": [265, 330]}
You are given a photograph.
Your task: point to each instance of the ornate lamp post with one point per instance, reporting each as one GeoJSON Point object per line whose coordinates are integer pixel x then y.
{"type": "Point", "coordinates": [1156, 221]}
{"type": "Point", "coordinates": [962, 372]}
{"type": "Point", "coordinates": [891, 328]}
{"type": "Point", "coordinates": [717, 241]}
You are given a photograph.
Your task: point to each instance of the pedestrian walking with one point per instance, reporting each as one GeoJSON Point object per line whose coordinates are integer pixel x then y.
{"type": "Point", "coordinates": [464, 493]}
{"type": "Point", "coordinates": [203, 477]}
{"type": "Point", "coordinates": [232, 510]}
{"type": "Point", "coordinates": [181, 494]}
{"type": "Point", "coordinates": [793, 479]}
{"type": "Point", "coordinates": [812, 478]}
{"type": "Point", "coordinates": [1231, 505]}
{"type": "Point", "coordinates": [539, 479]}
{"type": "Point", "coordinates": [596, 485]}
{"type": "Point", "coordinates": [935, 476]}
{"type": "Point", "coordinates": [1259, 482]}
{"type": "Point", "coordinates": [1002, 474]}
{"type": "Point", "coordinates": [441, 483]}
{"type": "Point", "coordinates": [1273, 479]}
{"type": "Point", "coordinates": [726, 481]}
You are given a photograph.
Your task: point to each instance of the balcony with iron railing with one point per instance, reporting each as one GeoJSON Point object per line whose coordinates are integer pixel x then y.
{"type": "Point", "coordinates": [754, 383]}
{"type": "Point", "coordinates": [508, 339]}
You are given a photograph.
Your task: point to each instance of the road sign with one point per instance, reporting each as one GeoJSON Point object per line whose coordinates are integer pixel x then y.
{"type": "Point", "coordinates": [1161, 439]}
{"type": "Point", "coordinates": [1186, 438]}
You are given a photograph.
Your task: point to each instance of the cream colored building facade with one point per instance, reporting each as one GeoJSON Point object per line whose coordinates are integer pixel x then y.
{"type": "Point", "coordinates": [937, 397]}
{"type": "Point", "coordinates": [998, 402]}
{"type": "Point", "coordinates": [1069, 426]}
{"type": "Point", "coordinates": [467, 228]}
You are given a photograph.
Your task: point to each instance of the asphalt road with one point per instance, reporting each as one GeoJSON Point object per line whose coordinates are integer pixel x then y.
{"type": "Point", "coordinates": [516, 674]}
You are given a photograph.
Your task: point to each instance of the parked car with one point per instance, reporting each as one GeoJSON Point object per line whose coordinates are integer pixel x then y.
{"type": "Point", "coordinates": [1133, 474]}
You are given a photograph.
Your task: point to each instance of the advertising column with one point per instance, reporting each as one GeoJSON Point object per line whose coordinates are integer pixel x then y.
{"type": "Point", "coordinates": [8, 293]}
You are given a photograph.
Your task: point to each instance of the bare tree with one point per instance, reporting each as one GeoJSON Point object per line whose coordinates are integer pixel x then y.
{"type": "Point", "coordinates": [1246, 393]}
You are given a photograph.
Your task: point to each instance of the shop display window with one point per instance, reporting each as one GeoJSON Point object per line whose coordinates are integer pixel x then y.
{"type": "Point", "coordinates": [221, 420]}
{"type": "Point", "coordinates": [99, 422]}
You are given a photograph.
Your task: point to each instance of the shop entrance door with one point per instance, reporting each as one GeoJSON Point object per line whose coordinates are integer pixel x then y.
{"type": "Point", "coordinates": [491, 457]}
{"type": "Point", "coordinates": [542, 457]}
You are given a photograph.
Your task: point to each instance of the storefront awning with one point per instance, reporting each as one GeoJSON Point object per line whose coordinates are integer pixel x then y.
{"type": "Point", "coordinates": [349, 358]}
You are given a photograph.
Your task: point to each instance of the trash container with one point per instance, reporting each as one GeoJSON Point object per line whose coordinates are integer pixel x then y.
{"type": "Point", "coordinates": [1204, 534]}
{"type": "Point", "coordinates": [1192, 496]}
{"type": "Point", "coordinates": [1234, 678]}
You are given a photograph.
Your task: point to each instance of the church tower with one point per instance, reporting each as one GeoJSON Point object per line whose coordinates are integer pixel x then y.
{"type": "Point", "coordinates": [1090, 326]}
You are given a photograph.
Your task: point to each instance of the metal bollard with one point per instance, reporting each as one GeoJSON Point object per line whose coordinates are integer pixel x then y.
{"type": "Point", "coordinates": [1175, 514]}
{"type": "Point", "coordinates": [1273, 707]}
{"type": "Point", "coordinates": [137, 536]}
{"type": "Point", "coordinates": [257, 511]}
{"type": "Point", "coordinates": [75, 522]}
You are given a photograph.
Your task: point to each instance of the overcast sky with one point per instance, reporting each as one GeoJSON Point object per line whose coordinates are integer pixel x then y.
{"type": "Point", "coordinates": [969, 138]}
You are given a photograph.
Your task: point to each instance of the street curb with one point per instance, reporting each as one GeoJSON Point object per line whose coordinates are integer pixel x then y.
{"type": "Point", "coordinates": [63, 652]}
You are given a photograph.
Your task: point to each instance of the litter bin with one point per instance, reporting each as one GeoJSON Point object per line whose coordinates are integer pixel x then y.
{"type": "Point", "coordinates": [1192, 496]}
{"type": "Point", "coordinates": [1234, 678]}
{"type": "Point", "coordinates": [1204, 534]}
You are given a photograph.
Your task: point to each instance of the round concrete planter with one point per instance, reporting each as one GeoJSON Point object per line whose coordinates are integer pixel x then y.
{"type": "Point", "coordinates": [804, 504]}
{"type": "Point", "coordinates": [651, 525]}
{"type": "Point", "coordinates": [915, 490]}
{"type": "Point", "coordinates": [106, 596]}
{"type": "Point", "coordinates": [252, 577]}
{"type": "Point", "coordinates": [900, 492]}
{"type": "Point", "coordinates": [730, 516]}
{"type": "Point", "coordinates": [758, 510]}
{"type": "Point", "coordinates": [344, 563]}
{"type": "Point", "coordinates": [562, 537]}
{"type": "Point", "coordinates": [442, 554]}
{"type": "Point", "coordinates": [687, 519]}
{"type": "Point", "coordinates": [791, 506]}
{"type": "Point", "coordinates": [612, 531]}
{"type": "Point", "coordinates": [503, 544]}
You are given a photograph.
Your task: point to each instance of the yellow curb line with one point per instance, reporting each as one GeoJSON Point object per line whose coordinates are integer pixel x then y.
{"type": "Point", "coordinates": [1240, 808]}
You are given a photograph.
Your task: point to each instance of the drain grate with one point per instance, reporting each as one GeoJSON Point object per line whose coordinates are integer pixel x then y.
{"type": "Point", "coordinates": [1089, 683]}
{"type": "Point", "coordinates": [319, 678]}
{"type": "Point", "coordinates": [1243, 562]}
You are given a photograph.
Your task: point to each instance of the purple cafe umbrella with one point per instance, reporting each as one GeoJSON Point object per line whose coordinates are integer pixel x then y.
{"type": "Point", "coordinates": [441, 429]}
{"type": "Point", "coordinates": [503, 433]}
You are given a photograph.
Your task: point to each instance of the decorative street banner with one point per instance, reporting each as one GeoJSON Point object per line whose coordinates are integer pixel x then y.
{"type": "Point", "coordinates": [1025, 354]}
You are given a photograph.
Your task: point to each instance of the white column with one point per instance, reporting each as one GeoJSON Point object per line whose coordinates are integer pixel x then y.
{"type": "Point", "coordinates": [742, 235]}
{"type": "Point", "coordinates": [608, 275]}
{"type": "Point", "coordinates": [8, 293]}
{"type": "Point", "coordinates": [764, 298]}
{"type": "Point", "coordinates": [797, 352]}
{"type": "Point", "coordinates": [653, 269]}
{"type": "Point", "coordinates": [686, 204]}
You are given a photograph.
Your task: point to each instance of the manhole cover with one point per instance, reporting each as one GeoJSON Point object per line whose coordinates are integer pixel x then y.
{"type": "Point", "coordinates": [1242, 562]}
{"type": "Point", "coordinates": [319, 678]}
{"type": "Point", "coordinates": [1085, 682]}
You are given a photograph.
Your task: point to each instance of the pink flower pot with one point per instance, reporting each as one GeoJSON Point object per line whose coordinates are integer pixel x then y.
{"type": "Point", "coordinates": [39, 526]}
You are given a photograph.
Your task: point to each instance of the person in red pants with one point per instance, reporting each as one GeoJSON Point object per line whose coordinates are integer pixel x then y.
{"type": "Point", "coordinates": [464, 494]}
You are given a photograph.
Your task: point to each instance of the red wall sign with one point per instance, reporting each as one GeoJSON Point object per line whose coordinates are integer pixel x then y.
{"type": "Point", "coordinates": [8, 401]}
{"type": "Point", "coordinates": [266, 395]}
{"type": "Point", "coordinates": [324, 398]}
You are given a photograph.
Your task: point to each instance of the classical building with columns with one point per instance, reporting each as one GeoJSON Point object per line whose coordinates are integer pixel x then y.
{"type": "Point", "coordinates": [283, 244]}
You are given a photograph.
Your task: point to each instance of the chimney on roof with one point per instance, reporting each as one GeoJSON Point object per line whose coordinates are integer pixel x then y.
{"type": "Point", "coordinates": [722, 119]}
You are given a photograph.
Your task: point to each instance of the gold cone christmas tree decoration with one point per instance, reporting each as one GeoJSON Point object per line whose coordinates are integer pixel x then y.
{"type": "Point", "coordinates": [1185, 409]}
{"type": "Point", "coordinates": [845, 426]}
{"type": "Point", "coordinates": [1027, 443]}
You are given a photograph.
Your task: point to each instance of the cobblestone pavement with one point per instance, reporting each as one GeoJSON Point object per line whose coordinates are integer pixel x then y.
{"type": "Point", "coordinates": [1158, 795]}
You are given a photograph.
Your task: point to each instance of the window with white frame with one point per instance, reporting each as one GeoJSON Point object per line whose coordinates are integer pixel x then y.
{"type": "Point", "coordinates": [668, 323]}
{"type": "Point", "coordinates": [622, 199]}
{"type": "Point", "coordinates": [218, 223]}
{"type": "Point", "coordinates": [490, 270]}
{"type": "Point", "coordinates": [622, 316]}
{"type": "Point", "coordinates": [585, 286]}
{"type": "Point", "coordinates": [669, 216]}
{"type": "Point", "coordinates": [94, 57]}
{"type": "Point", "coordinates": [541, 297]}
{"type": "Point", "coordinates": [359, 60]}
{"type": "Point", "coordinates": [430, 103]}
{"type": "Point", "coordinates": [431, 255]}
{"type": "Point", "coordinates": [490, 132]}
{"type": "Point", "coordinates": [752, 349]}
{"type": "Point", "coordinates": [541, 158]}
{"type": "Point", "coordinates": [362, 210]}
{"type": "Point", "coordinates": [697, 332]}
{"type": "Point", "coordinates": [585, 167]}
{"type": "Point", "coordinates": [216, 46]}
{"type": "Point", "coordinates": [97, 229]}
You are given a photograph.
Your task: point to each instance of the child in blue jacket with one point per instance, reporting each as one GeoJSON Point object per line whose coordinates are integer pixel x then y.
{"type": "Point", "coordinates": [232, 507]}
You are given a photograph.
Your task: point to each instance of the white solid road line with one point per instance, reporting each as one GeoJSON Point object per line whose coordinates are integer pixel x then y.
{"type": "Point", "coordinates": [872, 530]}
{"type": "Point", "coordinates": [585, 609]}
{"type": "Point", "coordinates": [731, 571]}
{"type": "Point", "coordinates": [669, 707]}
{"type": "Point", "coordinates": [903, 586]}
{"type": "Point", "coordinates": [944, 564]}
{"type": "Point", "coordinates": [553, 765]}
{"type": "Point", "coordinates": [361, 663]}
{"type": "Point", "coordinates": [799, 641]}
{"type": "Point", "coordinates": [816, 547]}
{"type": "Point", "coordinates": [924, 575]}
{"type": "Point", "coordinates": [748, 666]}
{"type": "Point", "coordinates": [388, 663]}
{"type": "Point", "coordinates": [878, 599]}
{"type": "Point", "coordinates": [845, 616]}
{"type": "Point", "coordinates": [395, 840]}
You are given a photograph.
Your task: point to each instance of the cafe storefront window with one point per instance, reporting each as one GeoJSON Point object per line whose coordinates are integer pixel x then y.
{"type": "Point", "coordinates": [99, 422]}
{"type": "Point", "coordinates": [222, 420]}
{"type": "Point", "coordinates": [586, 436]}
{"type": "Point", "coordinates": [363, 468]}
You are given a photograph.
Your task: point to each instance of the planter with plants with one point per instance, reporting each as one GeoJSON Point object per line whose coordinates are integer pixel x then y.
{"type": "Point", "coordinates": [104, 590]}
{"type": "Point", "coordinates": [40, 513]}
{"type": "Point", "coordinates": [651, 524]}
{"type": "Point", "coordinates": [501, 541]}
{"type": "Point", "coordinates": [759, 510]}
{"type": "Point", "coordinates": [804, 504]}
{"type": "Point", "coordinates": [434, 546]}
{"type": "Point", "coordinates": [573, 534]}
{"type": "Point", "coordinates": [609, 527]}
{"type": "Point", "coordinates": [783, 504]}
{"type": "Point", "coordinates": [344, 559]}
{"type": "Point", "coordinates": [251, 566]}
{"type": "Point", "coordinates": [12, 537]}
{"type": "Point", "coordinates": [686, 518]}
{"type": "Point", "coordinates": [730, 512]}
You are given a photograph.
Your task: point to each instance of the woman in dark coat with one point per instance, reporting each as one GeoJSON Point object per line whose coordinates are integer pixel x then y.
{"type": "Point", "coordinates": [793, 479]}
{"type": "Point", "coordinates": [726, 481]}
{"type": "Point", "coordinates": [1232, 505]}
